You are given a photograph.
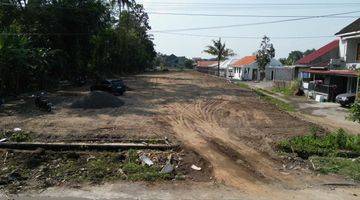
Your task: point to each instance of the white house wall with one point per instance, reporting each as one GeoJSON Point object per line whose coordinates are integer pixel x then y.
{"type": "Point", "coordinates": [343, 49]}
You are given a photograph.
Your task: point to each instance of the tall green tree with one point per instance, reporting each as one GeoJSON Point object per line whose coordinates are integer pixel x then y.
{"type": "Point", "coordinates": [219, 50]}
{"type": "Point", "coordinates": [53, 40]}
{"type": "Point", "coordinates": [122, 4]}
{"type": "Point", "coordinates": [264, 55]}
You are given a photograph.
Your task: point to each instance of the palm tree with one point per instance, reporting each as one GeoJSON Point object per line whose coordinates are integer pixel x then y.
{"type": "Point", "coordinates": [122, 4]}
{"type": "Point", "coordinates": [219, 50]}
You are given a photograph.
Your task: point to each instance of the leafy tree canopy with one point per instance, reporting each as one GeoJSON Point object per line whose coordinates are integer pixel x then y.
{"type": "Point", "coordinates": [45, 41]}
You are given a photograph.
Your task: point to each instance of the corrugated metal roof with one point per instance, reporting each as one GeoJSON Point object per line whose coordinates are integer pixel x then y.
{"type": "Point", "coordinates": [335, 72]}
{"type": "Point", "coordinates": [353, 27]}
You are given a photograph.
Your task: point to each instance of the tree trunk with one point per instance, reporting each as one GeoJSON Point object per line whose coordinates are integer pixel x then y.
{"type": "Point", "coordinates": [218, 67]}
{"type": "Point", "coordinates": [120, 10]}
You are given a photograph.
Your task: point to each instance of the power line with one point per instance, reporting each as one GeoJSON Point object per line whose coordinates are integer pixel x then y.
{"type": "Point", "coordinates": [258, 23]}
{"type": "Point", "coordinates": [38, 34]}
{"type": "Point", "coordinates": [253, 4]}
{"type": "Point", "coordinates": [246, 37]}
{"type": "Point", "coordinates": [250, 16]}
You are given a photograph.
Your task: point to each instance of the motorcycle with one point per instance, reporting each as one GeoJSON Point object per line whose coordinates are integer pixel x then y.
{"type": "Point", "coordinates": [42, 102]}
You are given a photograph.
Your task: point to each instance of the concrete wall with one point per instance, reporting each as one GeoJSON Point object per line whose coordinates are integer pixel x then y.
{"type": "Point", "coordinates": [348, 49]}
{"type": "Point", "coordinates": [280, 74]}
{"type": "Point", "coordinates": [240, 73]}
{"type": "Point", "coordinates": [352, 48]}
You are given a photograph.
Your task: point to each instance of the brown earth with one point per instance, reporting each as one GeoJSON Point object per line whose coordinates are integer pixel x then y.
{"type": "Point", "coordinates": [229, 126]}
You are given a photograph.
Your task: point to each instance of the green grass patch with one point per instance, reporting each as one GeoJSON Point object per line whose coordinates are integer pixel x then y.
{"type": "Point", "coordinates": [278, 103]}
{"type": "Point", "coordinates": [46, 169]}
{"type": "Point", "coordinates": [243, 85]}
{"type": "Point", "coordinates": [287, 91]}
{"type": "Point", "coordinates": [331, 153]}
{"type": "Point", "coordinates": [329, 145]}
{"type": "Point", "coordinates": [349, 168]}
{"type": "Point", "coordinates": [16, 136]}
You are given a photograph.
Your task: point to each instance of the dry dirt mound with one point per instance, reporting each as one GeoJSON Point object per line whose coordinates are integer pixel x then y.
{"type": "Point", "coordinates": [98, 100]}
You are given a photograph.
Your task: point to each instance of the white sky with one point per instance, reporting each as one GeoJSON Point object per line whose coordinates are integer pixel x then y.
{"type": "Point", "coordinates": [193, 46]}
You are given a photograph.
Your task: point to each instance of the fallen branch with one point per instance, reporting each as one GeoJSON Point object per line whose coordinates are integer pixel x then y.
{"type": "Point", "coordinates": [84, 146]}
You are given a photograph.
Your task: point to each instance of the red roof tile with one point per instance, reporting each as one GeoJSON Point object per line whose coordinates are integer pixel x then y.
{"type": "Point", "coordinates": [206, 63]}
{"type": "Point", "coordinates": [335, 72]}
{"type": "Point", "coordinates": [307, 60]}
{"type": "Point", "coordinates": [247, 60]}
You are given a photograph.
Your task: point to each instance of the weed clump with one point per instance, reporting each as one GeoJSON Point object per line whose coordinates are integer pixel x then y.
{"type": "Point", "coordinates": [332, 153]}
{"type": "Point", "coordinates": [331, 144]}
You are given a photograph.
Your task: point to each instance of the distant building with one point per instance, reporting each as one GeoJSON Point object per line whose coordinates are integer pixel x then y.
{"type": "Point", "coordinates": [247, 68]}
{"type": "Point", "coordinates": [350, 44]}
{"type": "Point", "coordinates": [326, 83]}
{"type": "Point", "coordinates": [205, 66]}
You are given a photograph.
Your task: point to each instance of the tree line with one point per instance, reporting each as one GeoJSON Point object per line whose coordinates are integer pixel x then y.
{"type": "Point", "coordinates": [45, 41]}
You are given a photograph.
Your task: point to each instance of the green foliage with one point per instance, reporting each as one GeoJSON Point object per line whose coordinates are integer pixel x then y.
{"type": "Point", "coordinates": [264, 55]}
{"type": "Point", "coordinates": [173, 61]}
{"type": "Point", "coordinates": [243, 85]}
{"type": "Point", "coordinates": [278, 103]}
{"type": "Point", "coordinates": [67, 39]}
{"type": "Point", "coordinates": [288, 90]}
{"type": "Point", "coordinates": [327, 145]}
{"type": "Point", "coordinates": [295, 56]}
{"type": "Point", "coordinates": [20, 136]}
{"type": "Point", "coordinates": [219, 50]}
{"type": "Point", "coordinates": [354, 113]}
{"type": "Point", "coordinates": [343, 166]}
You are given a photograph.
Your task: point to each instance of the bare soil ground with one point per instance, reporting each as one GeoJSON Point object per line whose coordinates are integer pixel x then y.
{"type": "Point", "coordinates": [231, 127]}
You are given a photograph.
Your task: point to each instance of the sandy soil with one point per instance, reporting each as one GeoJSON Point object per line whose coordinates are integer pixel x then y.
{"type": "Point", "coordinates": [230, 127]}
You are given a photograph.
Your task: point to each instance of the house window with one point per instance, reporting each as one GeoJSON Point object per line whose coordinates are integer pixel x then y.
{"type": "Point", "coordinates": [358, 53]}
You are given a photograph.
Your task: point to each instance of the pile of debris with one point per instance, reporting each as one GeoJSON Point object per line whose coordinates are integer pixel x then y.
{"type": "Point", "coordinates": [98, 100]}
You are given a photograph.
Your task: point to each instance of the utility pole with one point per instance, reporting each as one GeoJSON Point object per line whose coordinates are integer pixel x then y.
{"type": "Point", "coordinates": [357, 87]}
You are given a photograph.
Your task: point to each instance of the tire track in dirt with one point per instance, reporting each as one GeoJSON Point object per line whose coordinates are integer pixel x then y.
{"type": "Point", "coordinates": [234, 163]}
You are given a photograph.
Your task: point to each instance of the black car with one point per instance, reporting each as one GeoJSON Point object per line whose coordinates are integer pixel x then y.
{"type": "Point", "coordinates": [346, 99]}
{"type": "Point", "coordinates": [113, 86]}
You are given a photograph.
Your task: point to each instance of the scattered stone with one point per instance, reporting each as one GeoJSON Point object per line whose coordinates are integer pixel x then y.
{"type": "Point", "coordinates": [146, 160]}
{"type": "Point", "coordinates": [194, 167]}
{"type": "Point", "coordinates": [167, 169]}
{"type": "Point", "coordinates": [17, 129]}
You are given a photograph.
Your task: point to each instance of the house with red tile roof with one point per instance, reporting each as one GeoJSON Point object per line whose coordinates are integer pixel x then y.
{"type": "Point", "coordinates": [247, 68]}
{"type": "Point", "coordinates": [206, 66]}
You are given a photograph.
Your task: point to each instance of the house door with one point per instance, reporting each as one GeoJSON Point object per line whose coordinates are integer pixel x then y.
{"type": "Point", "coordinates": [272, 75]}
{"type": "Point", "coordinates": [254, 74]}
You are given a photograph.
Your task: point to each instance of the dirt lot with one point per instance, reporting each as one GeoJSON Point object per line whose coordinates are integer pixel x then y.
{"type": "Point", "coordinates": [230, 127]}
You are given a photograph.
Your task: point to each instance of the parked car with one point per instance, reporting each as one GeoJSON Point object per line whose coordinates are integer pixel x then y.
{"type": "Point", "coordinates": [346, 99]}
{"type": "Point", "coordinates": [113, 86]}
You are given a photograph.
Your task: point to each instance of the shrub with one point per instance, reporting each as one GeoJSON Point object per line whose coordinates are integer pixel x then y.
{"type": "Point", "coordinates": [330, 144]}
{"type": "Point", "coordinates": [354, 114]}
